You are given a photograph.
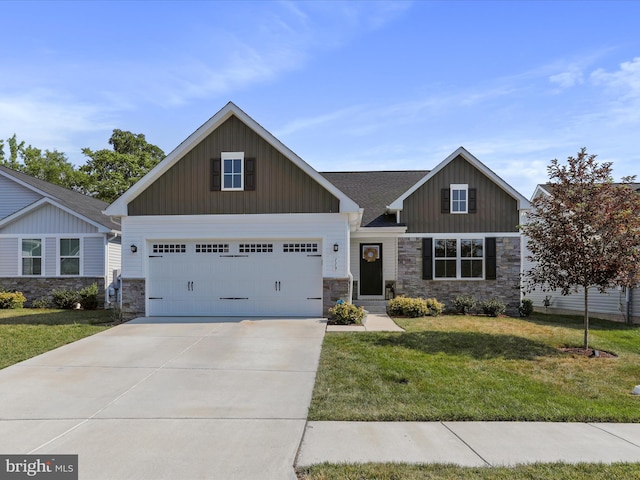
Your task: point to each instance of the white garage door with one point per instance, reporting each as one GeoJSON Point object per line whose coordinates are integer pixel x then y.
{"type": "Point", "coordinates": [238, 278]}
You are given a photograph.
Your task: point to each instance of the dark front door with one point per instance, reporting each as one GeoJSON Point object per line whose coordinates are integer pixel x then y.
{"type": "Point", "coordinates": [371, 269]}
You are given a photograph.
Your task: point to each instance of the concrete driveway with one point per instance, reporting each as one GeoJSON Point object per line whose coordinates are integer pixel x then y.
{"type": "Point", "coordinates": [169, 398]}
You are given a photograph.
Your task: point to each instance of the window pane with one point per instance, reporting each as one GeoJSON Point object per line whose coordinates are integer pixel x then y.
{"type": "Point", "coordinates": [237, 181]}
{"type": "Point", "coordinates": [465, 248]}
{"type": "Point", "coordinates": [228, 166]}
{"type": "Point", "coordinates": [445, 269]}
{"type": "Point", "coordinates": [471, 268]}
{"type": "Point", "coordinates": [228, 181]}
{"type": "Point", "coordinates": [462, 195]}
{"type": "Point", "coordinates": [477, 248]}
{"type": "Point", "coordinates": [69, 266]}
{"type": "Point", "coordinates": [439, 250]}
{"type": "Point", "coordinates": [69, 247]}
{"type": "Point", "coordinates": [452, 248]}
{"type": "Point", "coordinates": [32, 247]}
{"type": "Point", "coordinates": [32, 266]}
{"type": "Point", "coordinates": [237, 166]}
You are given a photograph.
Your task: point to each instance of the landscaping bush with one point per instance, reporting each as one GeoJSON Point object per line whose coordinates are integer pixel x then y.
{"type": "Point", "coordinates": [464, 304]}
{"type": "Point", "coordinates": [10, 300]}
{"type": "Point", "coordinates": [40, 303]}
{"type": "Point", "coordinates": [347, 314]}
{"type": "Point", "coordinates": [65, 298]}
{"type": "Point", "coordinates": [493, 307]}
{"type": "Point", "coordinates": [415, 307]}
{"type": "Point", "coordinates": [526, 308]}
{"type": "Point", "coordinates": [89, 297]}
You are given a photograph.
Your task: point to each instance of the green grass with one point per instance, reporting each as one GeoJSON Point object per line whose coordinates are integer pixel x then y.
{"type": "Point", "coordinates": [463, 368]}
{"type": "Point", "coordinates": [547, 471]}
{"type": "Point", "coordinates": [25, 333]}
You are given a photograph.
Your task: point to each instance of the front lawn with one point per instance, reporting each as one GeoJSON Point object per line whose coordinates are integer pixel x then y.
{"type": "Point", "coordinates": [25, 333]}
{"type": "Point", "coordinates": [392, 471]}
{"type": "Point", "coordinates": [463, 368]}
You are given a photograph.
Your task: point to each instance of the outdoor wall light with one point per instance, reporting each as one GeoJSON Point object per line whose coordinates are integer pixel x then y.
{"type": "Point", "coordinates": [336, 247]}
{"type": "Point", "coordinates": [134, 249]}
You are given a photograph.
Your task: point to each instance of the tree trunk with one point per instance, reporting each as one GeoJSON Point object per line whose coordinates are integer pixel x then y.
{"type": "Point", "coordinates": [586, 317]}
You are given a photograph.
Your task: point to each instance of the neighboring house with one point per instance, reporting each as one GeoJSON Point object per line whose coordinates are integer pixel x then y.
{"type": "Point", "coordinates": [620, 304]}
{"type": "Point", "coordinates": [54, 238]}
{"type": "Point", "coordinates": [232, 222]}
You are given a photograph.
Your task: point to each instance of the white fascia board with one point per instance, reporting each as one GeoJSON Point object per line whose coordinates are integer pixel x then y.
{"type": "Point", "coordinates": [461, 235]}
{"type": "Point", "coordinates": [539, 191]}
{"type": "Point", "coordinates": [119, 207]}
{"type": "Point", "coordinates": [379, 232]}
{"type": "Point", "coordinates": [522, 202]}
{"type": "Point", "coordinates": [24, 184]}
{"type": "Point", "coordinates": [39, 203]}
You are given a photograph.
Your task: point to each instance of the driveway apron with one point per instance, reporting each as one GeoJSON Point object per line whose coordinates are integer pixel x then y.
{"type": "Point", "coordinates": [169, 398]}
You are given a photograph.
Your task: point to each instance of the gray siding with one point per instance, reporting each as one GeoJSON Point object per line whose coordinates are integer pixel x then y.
{"type": "Point", "coordinates": [8, 257]}
{"type": "Point", "coordinates": [14, 197]}
{"type": "Point", "coordinates": [281, 187]}
{"type": "Point", "coordinates": [497, 211]}
{"type": "Point", "coordinates": [93, 257]}
{"type": "Point", "coordinates": [50, 256]}
{"type": "Point", "coordinates": [114, 261]}
{"type": "Point", "coordinates": [49, 219]}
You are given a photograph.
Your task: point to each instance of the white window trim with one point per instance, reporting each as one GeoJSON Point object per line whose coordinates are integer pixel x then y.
{"type": "Point", "coordinates": [459, 187]}
{"type": "Point", "coordinates": [59, 256]}
{"type": "Point", "coordinates": [459, 258]}
{"type": "Point", "coordinates": [42, 254]}
{"type": "Point", "coordinates": [232, 156]}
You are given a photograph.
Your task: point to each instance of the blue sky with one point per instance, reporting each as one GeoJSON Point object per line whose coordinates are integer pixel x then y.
{"type": "Point", "coordinates": [346, 85]}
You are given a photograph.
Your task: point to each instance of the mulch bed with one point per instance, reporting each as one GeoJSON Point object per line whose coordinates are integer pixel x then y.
{"type": "Point", "coordinates": [589, 352]}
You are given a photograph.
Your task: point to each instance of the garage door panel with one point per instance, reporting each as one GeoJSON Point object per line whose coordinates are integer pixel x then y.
{"type": "Point", "coordinates": [269, 278]}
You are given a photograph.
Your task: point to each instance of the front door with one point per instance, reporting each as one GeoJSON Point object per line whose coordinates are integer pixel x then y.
{"type": "Point", "coordinates": [371, 269]}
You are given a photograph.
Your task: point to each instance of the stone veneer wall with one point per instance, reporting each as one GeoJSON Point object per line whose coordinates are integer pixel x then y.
{"type": "Point", "coordinates": [334, 289]}
{"type": "Point", "coordinates": [35, 288]}
{"type": "Point", "coordinates": [133, 298]}
{"type": "Point", "coordinates": [506, 288]}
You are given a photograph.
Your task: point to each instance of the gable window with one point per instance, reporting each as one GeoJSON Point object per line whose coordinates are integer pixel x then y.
{"type": "Point", "coordinates": [458, 258]}
{"type": "Point", "coordinates": [459, 198]}
{"type": "Point", "coordinates": [232, 170]}
{"type": "Point", "coordinates": [31, 256]}
{"type": "Point", "coordinates": [69, 256]}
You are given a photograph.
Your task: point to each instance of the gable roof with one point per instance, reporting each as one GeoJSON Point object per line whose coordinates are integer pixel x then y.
{"type": "Point", "coordinates": [373, 191]}
{"type": "Point", "coordinates": [547, 188]}
{"type": "Point", "coordinates": [87, 208]}
{"type": "Point", "coordinates": [522, 202]}
{"type": "Point", "coordinates": [119, 206]}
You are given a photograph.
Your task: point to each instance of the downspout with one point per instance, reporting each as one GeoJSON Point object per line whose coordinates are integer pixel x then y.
{"type": "Point", "coordinates": [106, 269]}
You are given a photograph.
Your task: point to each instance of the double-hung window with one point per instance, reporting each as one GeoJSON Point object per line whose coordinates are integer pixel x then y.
{"type": "Point", "coordinates": [458, 258]}
{"type": "Point", "coordinates": [459, 198]}
{"type": "Point", "coordinates": [69, 256]}
{"type": "Point", "coordinates": [232, 170]}
{"type": "Point", "coordinates": [31, 256]}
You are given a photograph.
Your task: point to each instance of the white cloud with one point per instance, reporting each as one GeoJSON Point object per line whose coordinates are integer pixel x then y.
{"type": "Point", "coordinates": [624, 82]}
{"type": "Point", "coordinates": [568, 79]}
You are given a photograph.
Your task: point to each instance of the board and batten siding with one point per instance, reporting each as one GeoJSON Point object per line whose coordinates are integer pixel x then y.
{"type": "Point", "coordinates": [9, 257]}
{"type": "Point", "coordinates": [14, 197]}
{"type": "Point", "coordinates": [497, 211]}
{"type": "Point", "coordinates": [281, 186]}
{"type": "Point", "coordinates": [49, 219]}
{"type": "Point", "coordinates": [50, 262]}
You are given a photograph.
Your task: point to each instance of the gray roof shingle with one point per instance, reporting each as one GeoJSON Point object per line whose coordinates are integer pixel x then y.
{"type": "Point", "coordinates": [373, 191]}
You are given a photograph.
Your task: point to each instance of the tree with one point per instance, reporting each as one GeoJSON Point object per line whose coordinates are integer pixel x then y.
{"type": "Point", "coordinates": [51, 166]}
{"type": "Point", "coordinates": [586, 233]}
{"type": "Point", "coordinates": [109, 173]}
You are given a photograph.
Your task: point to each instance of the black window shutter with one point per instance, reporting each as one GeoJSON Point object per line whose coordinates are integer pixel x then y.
{"type": "Point", "coordinates": [216, 174]}
{"type": "Point", "coordinates": [490, 257]}
{"type": "Point", "coordinates": [427, 258]}
{"type": "Point", "coordinates": [249, 174]}
{"type": "Point", "coordinates": [472, 200]}
{"type": "Point", "coordinates": [445, 203]}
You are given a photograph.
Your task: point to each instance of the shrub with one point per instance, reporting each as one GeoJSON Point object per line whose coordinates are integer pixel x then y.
{"type": "Point", "coordinates": [415, 307]}
{"type": "Point", "coordinates": [493, 307]}
{"type": "Point", "coordinates": [435, 307]}
{"type": "Point", "coordinates": [347, 314]}
{"type": "Point", "coordinates": [65, 298]}
{"type": "Point", "coordinates": [11, 300]}
{"type": "Point", "coordinates": [40, 303]}
{"type": "Point", "coordinates": [526, 308]}
{"type": "Point", "coordinates": [464, 303]}
{"type": "Point", "coordinates": [89, 297]}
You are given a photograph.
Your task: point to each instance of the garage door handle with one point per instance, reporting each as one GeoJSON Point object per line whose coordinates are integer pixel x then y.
{"type": "Point", "coordinates": [156, 298]}
{"type": "Point", "coordinates": [277, 285]}
{"type": "Point", "coordinates": [314, 298]}
{"type": "Point", "coordinates": [234, 298]}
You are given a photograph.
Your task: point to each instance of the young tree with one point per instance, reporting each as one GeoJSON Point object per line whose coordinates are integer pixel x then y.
{"type": "Point", "coordinates": [109, 173]}
{"type": "Point", "coordinates": [586, 233]}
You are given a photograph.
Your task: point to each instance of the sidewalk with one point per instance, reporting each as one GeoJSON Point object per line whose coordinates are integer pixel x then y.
{"type": "Point", "coordinates": [373, 322]}
{"type": "Point", "coordinates": [470, 444]}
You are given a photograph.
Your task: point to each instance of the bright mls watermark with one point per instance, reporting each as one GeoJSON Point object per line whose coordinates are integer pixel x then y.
{"type": "Point", "coordinates": [49, 467]}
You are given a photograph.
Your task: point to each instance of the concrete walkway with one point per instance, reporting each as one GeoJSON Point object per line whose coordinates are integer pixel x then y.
{"type": "Point", "coordinates": [169, 398]}
{"type": "Point", "coordinates": [469, 444]}
{"type": "Point", "coordinates": [374, 322]}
